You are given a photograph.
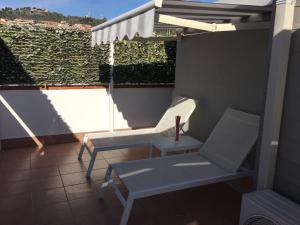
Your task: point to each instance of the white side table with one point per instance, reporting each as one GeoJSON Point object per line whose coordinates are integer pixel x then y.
{"type": "Point", "coordinates": [168, 144]}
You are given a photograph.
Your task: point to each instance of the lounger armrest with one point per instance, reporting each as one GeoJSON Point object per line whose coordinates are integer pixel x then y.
{"type": "Point", "coordinates": [120, 133]}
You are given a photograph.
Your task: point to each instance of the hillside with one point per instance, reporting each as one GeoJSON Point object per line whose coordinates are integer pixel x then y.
{"type": "Point", "coordinates": [36, 14]}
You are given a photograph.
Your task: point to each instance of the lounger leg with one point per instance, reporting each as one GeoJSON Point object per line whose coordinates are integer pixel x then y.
{"type": "Point", "coordinates": [82, 148]}
{"type": "Point", "coordinates": [127, 210]}
{"type": "Point", "coordinates": [105, 184]}
{"type": "Point", "coordinates": [91, 164]}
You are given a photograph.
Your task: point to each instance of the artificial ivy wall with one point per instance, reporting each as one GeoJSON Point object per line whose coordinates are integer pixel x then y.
{"type": "Point", "coordinates": [31, 54]}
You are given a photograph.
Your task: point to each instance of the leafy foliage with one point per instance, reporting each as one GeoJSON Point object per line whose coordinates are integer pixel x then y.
{"type": "Point", "coordinates": [144, 62]}
{"type": "Point", "coordinates": [31, 54]}
{"type": "Point", "coordinates": [38, 55]}
{"type": "Point", "coordinates": [40, 14]}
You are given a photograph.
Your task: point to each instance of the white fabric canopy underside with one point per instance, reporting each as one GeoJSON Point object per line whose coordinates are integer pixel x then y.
{"type": "Point", "coordinates": [173, 14]}
{"type": "Point", "coordinates": [246, 2]}
{"type": "Point", "coordinates": [142, 25]}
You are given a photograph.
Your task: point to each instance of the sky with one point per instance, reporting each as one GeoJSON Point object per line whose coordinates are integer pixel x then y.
{"type": "Point", "coordinates": [94, 8]}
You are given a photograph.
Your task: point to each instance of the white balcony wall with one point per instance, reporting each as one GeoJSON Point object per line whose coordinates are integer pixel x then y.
{"type": "Point", "coordinates": [140, 107]}
{"type": "Point", "coordinates": [26, 113]}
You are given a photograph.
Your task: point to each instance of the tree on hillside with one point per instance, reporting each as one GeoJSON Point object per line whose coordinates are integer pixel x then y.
{"type": "Point", "coordinates": [40, 14]}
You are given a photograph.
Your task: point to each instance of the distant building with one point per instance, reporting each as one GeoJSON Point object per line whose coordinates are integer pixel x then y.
{"type": "Point", "coordinates": [34, 9]}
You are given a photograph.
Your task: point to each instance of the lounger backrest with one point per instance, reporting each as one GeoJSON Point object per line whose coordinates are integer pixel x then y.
{"type": "Point", "coordinates": [232, 139]}
{"type": "Point", "coordinates": [181, 106]}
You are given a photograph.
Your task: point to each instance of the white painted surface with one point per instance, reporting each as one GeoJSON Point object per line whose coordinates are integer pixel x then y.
{"type": "Point", "coordinates": [140, 107]}
{"type": "Point", "coordinates": [52, 112]}
{"type": "Point", "coordinates": [246, 2]}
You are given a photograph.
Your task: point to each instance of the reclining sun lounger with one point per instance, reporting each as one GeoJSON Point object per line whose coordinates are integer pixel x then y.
{"type": "Point", "coordinates": [181, 106]}
{"type": "Point", "coordinates": [220, 160]}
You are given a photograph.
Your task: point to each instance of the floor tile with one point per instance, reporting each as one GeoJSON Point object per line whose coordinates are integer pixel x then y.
{"type": "Point", "coordinates": [80, 191]}
{"type": "Point", "coordinates": [43, 163]}
{"type": "Point", "coordinates": [55, 191]}
{"type": "Point", "coordinates": [14, 155]}
{"type": "Point", "coordinates": [98, 174]}
{"type": "Point", "coordinates": [86, 206]}
{"type": "Point", "coordinates": [65, 159]}
{"type": "Point", "coordinates": [54, 214]}
{"type": "Point", "coordinates": [15, 203]}
{"type": "Point", "coordinates": [13, 188]}
{"type": "Point", "coordinates": [170, 219]}
{"type": "Point", "coordinates": [47, 183]}
{"type": "Point", "coordinates": [74, 178]}
{"type": "Point", "coordinates": [44, 172]}
{"type": "Point", "coordinates": [116, 160]}
{"type": "Point", "coordinates": [8, 175]}
{"type": "Point", "coordinates": [41, 154]}
{"type": "Point", "coordinates": [47, 197]}
{"type": "Point", "coordinates": [112, 154]}
{"type": "Point", "coordinates": [71, 168]}
{"type": "Point", "coordinates": [96, 219]}
{"type": "Point", "coordinates": [18, 217]}
{"type": "Point", "coordinates": [99, 164]}
{"type": "Point", "coordinates": [86, 157]}
{"type": "Point", "coordinates": [15, 165]}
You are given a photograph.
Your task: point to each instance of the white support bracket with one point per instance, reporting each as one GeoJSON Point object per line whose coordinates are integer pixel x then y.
{"type": "Point", "coordinates": [212, 27]}
{"type": "Point", "coordinates": [158, 3]}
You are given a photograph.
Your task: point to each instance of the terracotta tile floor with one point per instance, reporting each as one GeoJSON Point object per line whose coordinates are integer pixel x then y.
{"type": "Point", "coordinates": [49, 187]}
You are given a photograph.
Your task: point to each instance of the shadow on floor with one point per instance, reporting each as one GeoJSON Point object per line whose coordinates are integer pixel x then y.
{"type": "Point", "coordinates": [52, 189]}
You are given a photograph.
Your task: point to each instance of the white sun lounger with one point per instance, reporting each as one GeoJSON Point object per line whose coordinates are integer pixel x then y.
{"type": "Point", "coordinates": [220, 159]}
{"type": "Point", "coordinates": [180, 106]}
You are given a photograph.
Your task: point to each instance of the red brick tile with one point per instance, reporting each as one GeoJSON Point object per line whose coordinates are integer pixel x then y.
{"type": "Point", "coordinates": [80, 191]}
{"type": "Point", "coordinates": [54, 214]}
{"type": "Point", "coordinates": [43, 163]}
{"type": "Point", "coordinates": [18, 217]}
{"type": "Point", "coordinates": [99, 164]}
{"type": "Point", "coordinates": [8, 175]}
{"type": "Point", "coordinates": [210, 205]}
{"type": "Point", "coordinates": [112, 154]}
{"type": "Point", "coordinates": [46, 183]}
{"type": "Point", "coordinates": [116, 160]}
{"type": "Point", "coordinates": [44, 172]}
{"type": "Point", "coordinates": [15, 203]}
{"type": "Point", "coordinates": [47, 197]}
{"type": "Point", "coordinates": [170, 219]}
{"type": "Point", "coordinates": [74, 178]}
{"type": "Point", "coordinates": [86, 206]}
{"type": "Point", "coordinates": [71, 168]}
{"type": "Point", "coordinates": [14, 188]}
{"type": "Point", "coordinates": [65, 159]}
{"type": "Point", "coordinates": [98, 174]}
{"type": "Point", "coordinates": [15, 165]}
{"type": "Point", "coordinates": [15, 155]}
{"type": "Point", "coordinates": [41, 154]}
{"type": "Point", "coordinates": [86, 157]}
{"type": "Point", "coordinates": [136, 152]}
{"type": "Point", "coordinates": [96, 219]}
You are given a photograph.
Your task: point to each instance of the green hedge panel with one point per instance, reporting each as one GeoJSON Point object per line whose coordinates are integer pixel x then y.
{"type": "Point", "coordinates": [144, 62]}
{"type": "Point", "coordinates": [31, 54]}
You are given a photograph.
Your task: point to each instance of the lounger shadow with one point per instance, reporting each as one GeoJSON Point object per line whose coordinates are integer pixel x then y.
{"type": "Point", "coordinates": [219, 160]}
{"type": "Point", "coordinates": [181, 106]}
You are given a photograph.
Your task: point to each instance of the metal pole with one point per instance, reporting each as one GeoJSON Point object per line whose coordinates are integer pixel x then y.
{"type": "Point", "coordinates": [111, 86]}
{"type": "Point", "coordinates": [275, 92]}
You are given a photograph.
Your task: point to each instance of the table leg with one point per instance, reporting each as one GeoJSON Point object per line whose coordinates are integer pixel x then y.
{"type": "Point", "coordinates": [91, 164]}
